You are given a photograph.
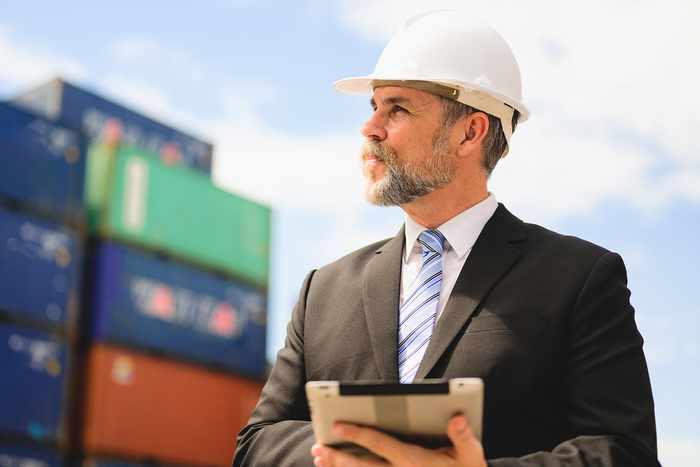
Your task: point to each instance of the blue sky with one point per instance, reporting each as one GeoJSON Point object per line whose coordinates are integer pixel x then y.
{"type": "Point", "coordinates": [608, 154]}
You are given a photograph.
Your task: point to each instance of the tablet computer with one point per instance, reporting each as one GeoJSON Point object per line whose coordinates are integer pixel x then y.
{"type": "Point", "coordinates": [417, 413]}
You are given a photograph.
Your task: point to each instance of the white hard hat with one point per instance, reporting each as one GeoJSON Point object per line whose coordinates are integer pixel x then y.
{"type": "Point", "coordinates": [447, 53]}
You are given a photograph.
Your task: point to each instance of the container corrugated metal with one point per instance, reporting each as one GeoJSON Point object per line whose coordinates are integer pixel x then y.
{"type": "Point", "coordinates": [27, 455]}
{"type": "Point", "coordinates": [182, 213]}
{"type": "Point", "coordinates": [43, 163]}
{"type": "Point", "coordinates": [33, 384]}
{"type": "Point", "coordinates": [39, 269]}
{"type": "Point", "coordinates": [149, 302]}
{"type": "Point", "coordinates": [139, 406]}
{"type": "Point", "coordinates": [81, 109]}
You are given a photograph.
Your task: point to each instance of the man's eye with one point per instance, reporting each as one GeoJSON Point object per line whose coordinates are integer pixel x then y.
{"type": "Point", "coordinates": [397, 108]}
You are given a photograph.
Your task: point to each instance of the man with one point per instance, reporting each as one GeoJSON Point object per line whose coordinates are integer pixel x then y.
{"type": "Point", "coordinates": [465, 288]}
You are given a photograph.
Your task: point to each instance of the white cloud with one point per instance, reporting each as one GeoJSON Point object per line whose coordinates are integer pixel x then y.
{"type": "Point", "coordinates": [148, 53]}
{"type": "Point", "coordinates": [681, 452]}
{"type": "Point", "coordinates": [320, 171]}
{"type": "Point", "coordinates": [242, 101]}
{"type": "Point", "coordinates": [613, 89]}
{"type": "Point", "coordinates": [350, 232]}
{"type": "Point", "coordinates": [680, 351]}
{"type": "Point", "coordinates": [548, 176]}
{"type": "Point", "coordinates": [22, 65]}
{"type": "Point", "coordinates": [136, 49]}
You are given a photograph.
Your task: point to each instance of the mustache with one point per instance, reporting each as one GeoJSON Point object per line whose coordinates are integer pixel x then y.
{"type": "Point", "coordinates": [378, 150]}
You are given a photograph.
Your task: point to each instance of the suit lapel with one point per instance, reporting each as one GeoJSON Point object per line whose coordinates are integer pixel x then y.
{"type": "Point", "coordinates": [380, 294]}
{"type": "Point", "coordinates": [493, 254]}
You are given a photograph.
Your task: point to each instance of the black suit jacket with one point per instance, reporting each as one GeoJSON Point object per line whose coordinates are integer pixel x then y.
{"type": "Point", "coordinates": [543, 318]}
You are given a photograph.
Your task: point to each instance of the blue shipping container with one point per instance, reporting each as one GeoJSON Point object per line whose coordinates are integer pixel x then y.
{"type": "Point", "coordinates": [152, 303]}
{"type": "Point", "coordinates": [84, 110]}
{"type": "Point", "coordinates": [32, 387]}
{"type": "Point", "coordinates": [43, 163]}
{"type": "Point", "coordinates": [39, 269]}
{"type": "Point", "coordinates": [25, 455]}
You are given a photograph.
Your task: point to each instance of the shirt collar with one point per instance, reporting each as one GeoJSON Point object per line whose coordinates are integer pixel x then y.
{"type": "Point", "coordinates": [461, 231]}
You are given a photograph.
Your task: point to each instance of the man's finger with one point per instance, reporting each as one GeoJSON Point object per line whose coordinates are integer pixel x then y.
{"type": "Point", "coordinates": [328, 457]}
{"type": "Point", "coordinates": [383, 445]}
{"type": "Point", "coordinates": [465, 444]}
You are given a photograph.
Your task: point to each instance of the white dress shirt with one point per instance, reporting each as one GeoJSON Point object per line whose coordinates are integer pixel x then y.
{"type": "Point", "coordinates": [460, 233]}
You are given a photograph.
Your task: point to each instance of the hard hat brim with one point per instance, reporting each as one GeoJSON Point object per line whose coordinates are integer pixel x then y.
{"type": "Point", "coordinates": [360, 85]}
{"type": "Point", "coordinates": [354, 85]}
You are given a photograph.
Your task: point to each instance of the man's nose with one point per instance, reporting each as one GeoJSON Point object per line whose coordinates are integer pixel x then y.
{"type": "Point", "coordinates": [374, 128]}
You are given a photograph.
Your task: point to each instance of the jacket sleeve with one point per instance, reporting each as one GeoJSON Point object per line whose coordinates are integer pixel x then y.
{"type": "Point", "coordinates": [279, 431]}
{"type": "Point", "coordinates": [606, 393]}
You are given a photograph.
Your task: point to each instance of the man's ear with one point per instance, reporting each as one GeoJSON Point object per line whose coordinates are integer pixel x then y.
{"type": "Point", "coordinates": [474, 128]}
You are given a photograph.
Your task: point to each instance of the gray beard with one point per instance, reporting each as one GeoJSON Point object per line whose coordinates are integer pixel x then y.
{"type": "Point", "coordinates": [403, 183]}
{"type": "Point", "coordinates": [398, 187]}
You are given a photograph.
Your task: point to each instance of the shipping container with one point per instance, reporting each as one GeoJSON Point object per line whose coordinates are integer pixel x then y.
{"type": "Point", "coordinates": [34, 383]}
{"type": "Point", "coordinates": [81, 109]}
{"type": "Point", "coordinates": [181, 213]}
{"type": "Point", "coordinates": [40, 269]}
{"type": "Point", "coordinates": [43, 164]}
{"type": "Point", "coordinates": [150, 302]}
{"type": "Point", "coordinates": [28, 455]}
{"type": "Point", "coordinates": [139, 406]}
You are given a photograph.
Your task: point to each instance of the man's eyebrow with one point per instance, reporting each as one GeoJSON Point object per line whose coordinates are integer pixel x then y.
{"type": "Point", "coordinates": [390, 100]}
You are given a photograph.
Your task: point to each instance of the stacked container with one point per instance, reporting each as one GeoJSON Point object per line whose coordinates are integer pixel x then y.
{"type": "Point", "coordinates": [86, 111]}
{"type": "Point", "coordinates": [172, 346]}
{"type": "Point", "coordinates": [40, 271]}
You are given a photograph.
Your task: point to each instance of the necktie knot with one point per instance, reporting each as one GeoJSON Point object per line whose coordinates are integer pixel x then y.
{"type": "Point", "coordinates": [432, 241]}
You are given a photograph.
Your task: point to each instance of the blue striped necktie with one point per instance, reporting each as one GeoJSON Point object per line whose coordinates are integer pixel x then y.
{"type": "Point", "coordinates": [420, 306]}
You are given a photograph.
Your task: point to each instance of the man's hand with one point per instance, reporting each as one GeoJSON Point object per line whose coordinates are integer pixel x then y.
{"type": "Point", "coordinates": [466, 450]}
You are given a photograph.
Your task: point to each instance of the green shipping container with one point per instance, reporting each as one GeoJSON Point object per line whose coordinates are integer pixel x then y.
{"type": "Point", "coordinates": [134, 197]}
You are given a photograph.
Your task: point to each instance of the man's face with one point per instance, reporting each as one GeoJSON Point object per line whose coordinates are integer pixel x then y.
{"type": "Point", "coordinates": [407, 152]}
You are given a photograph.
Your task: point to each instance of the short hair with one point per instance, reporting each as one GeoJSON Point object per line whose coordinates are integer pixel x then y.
{"type": "Point", "coordinates": [495, 143]}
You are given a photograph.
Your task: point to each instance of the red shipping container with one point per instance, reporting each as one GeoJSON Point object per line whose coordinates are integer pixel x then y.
{"type": "Point", "coordinates": [146, 407]}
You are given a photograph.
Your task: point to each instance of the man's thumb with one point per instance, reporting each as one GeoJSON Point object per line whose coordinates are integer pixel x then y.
{"type": "Point", "coordinates": [463, 440]}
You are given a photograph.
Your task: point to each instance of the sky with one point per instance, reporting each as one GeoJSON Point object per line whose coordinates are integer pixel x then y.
{"type": "Point", "coordinates": [608, 154]}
